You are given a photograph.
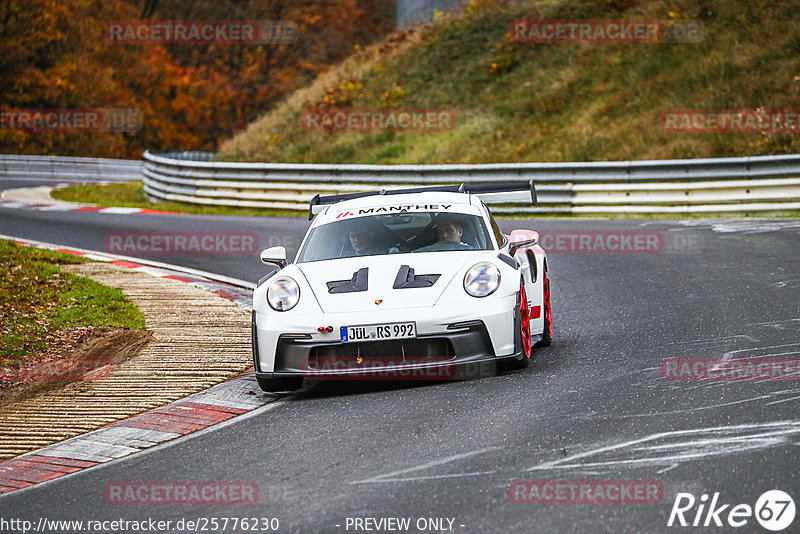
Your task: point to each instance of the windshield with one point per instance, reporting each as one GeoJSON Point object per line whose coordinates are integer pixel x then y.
{"type": "Point", "coordinates": [397, 233]}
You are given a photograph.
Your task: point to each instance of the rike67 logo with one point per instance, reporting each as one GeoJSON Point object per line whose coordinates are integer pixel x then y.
{"type": "Point", "coordinates": [774, 510]}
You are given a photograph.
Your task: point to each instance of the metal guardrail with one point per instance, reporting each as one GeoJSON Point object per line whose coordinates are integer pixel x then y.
{"type": "Point", "coordinates": [69, 168]}
{"type": "Point", "coordinates": [761, 183]}
{"type": "Point", "coordinates": [758, 183]}
{"type": "Point", "coordinates": [409, 11]}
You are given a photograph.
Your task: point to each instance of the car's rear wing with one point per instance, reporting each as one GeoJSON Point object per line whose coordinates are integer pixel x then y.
{"type": "Point", "coordinates": [489, 192]}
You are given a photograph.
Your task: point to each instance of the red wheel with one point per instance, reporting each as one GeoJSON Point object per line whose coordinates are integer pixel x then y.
{"type": "Point", "coordinates": [525, 322]}
{"type": "Point", "coordinates": [522, 335]}
{"type": "Point", "coordinates": [547, 334]}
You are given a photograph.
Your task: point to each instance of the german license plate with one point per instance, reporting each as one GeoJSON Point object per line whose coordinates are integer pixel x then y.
{"type": "Point", "coordinates": [378, 332]}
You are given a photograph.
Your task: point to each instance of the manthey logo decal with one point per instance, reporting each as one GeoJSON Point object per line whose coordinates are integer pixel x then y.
{"type": "Point", "coordinates": [393, 209]}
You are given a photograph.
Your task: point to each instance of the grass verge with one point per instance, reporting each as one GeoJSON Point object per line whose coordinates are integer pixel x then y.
{"type": "Point", "coordinates": [37, 300]}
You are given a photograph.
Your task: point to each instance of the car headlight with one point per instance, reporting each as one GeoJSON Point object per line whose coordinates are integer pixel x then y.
{"type": "Point", "coordinates": [283, 294]}
{"type": "Point", "coordinates": [482, 279]}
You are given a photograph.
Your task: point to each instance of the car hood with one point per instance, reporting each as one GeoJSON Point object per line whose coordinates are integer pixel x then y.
{"type": "Point", "coordinates": [380, 279]}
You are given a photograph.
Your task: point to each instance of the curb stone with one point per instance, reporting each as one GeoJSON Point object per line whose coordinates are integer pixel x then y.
{"type": "Point", "coordinates": [50, 204]}
{"type": "Point", "coordinates": [221, 402]}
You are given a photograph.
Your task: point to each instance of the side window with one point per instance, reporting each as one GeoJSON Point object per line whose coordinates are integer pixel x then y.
{"type": "Point", "coordinates": [498, 233]}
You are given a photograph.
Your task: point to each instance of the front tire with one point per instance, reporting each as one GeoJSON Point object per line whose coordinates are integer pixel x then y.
{"type": "Point", "coordinates": [523, 332]}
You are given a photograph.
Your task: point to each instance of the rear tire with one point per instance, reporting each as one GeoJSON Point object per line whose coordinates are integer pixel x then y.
{"type": "Point", "coordinates": [547, 334]}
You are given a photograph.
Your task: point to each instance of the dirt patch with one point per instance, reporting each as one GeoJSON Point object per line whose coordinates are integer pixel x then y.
{"type": "Point", "coordinates": [79, 354]}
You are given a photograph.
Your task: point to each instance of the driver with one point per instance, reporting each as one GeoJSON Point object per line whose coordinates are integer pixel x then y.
{"type": "Point", "coordinates": [450, 230]}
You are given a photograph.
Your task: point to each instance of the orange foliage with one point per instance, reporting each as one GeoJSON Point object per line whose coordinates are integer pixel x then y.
{"type": "Point", "coordinates": [54, 54]}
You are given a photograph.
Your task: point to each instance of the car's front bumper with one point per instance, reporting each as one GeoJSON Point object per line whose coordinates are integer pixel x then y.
{"type": "Point", "coordinates": [291, 343]}
{"type": "Point", "coordinates": [463, 353]}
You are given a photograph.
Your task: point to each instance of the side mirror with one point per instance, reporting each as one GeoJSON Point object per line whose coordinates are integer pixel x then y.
{"type": "Point", "coordinates": [522, 238]}
{"type": "Point", "coordinates": [274, 256]}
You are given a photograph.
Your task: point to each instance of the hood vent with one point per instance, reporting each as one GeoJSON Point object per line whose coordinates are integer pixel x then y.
{"type": "Point", "coordinates": [407, 279]}
{"type": "Point", "coordinates": [354, 285]}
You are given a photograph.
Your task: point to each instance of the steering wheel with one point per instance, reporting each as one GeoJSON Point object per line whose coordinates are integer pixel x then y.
{"type": "Point", "coordinates": [408, 245]}
{"type": "Point", "coordinates": [444, 245]}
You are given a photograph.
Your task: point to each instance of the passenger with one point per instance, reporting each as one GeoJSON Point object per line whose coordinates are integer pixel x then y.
{"type": "Point", "coordinates": [363, 241]}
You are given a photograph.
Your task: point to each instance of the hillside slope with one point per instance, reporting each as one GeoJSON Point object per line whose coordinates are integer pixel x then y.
{"type": "Point", "coordinates": [550, 102]}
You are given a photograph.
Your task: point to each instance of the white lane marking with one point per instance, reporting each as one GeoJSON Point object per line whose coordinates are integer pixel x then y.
{"type": "Point", "coordinates": [670, 468]}
{"type": "Point", "coordinates": [712, 340]}
{"type": "Point", "coordinates": [57, 207]}
{"type": "Point", "coordinates": [782, 400]}
{"type": "Point", "coordinates": [732, 352]}
{"type": "Point", "coordinates": [742, 227]}
{"type": "Point", "coordinates": [779, 325]}
{"type": "Point", "coordinates": [428, 477]}
{"type": "Point", "coordinates": [698, 443]}
{"type": "Point", "coordinates": [21, 179]}
{"type": "Point", "coordinates": [120, 211]}
{"type": "Point", "coordinates": [695, 408]}
{"type": "Point", "coordinates": [392, 477]}
{"type": "Point", "coordinates": [791, 283]}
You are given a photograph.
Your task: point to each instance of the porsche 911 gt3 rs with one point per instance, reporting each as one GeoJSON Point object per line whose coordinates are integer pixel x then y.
{"type": "Point", "coordinates": [405, 284]}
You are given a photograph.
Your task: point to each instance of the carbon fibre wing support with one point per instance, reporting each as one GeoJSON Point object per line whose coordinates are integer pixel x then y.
{"type": "Point", "coordinates": [489, 192]}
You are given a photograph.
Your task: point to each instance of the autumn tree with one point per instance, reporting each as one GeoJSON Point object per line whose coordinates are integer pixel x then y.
{"type": "Point", "coordinates": [54, 54]}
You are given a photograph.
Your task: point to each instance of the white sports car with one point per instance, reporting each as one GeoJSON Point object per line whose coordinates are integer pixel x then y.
{"type": "Point", "coordinates": [409, 284]}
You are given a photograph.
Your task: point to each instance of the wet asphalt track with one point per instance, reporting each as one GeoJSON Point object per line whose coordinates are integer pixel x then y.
{"type": "Point", "coordinates": [590, 407]}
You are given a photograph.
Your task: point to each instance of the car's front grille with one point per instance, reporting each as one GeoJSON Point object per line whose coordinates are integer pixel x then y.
{"type": "Point", "coordinates": [293, 355]}
{"type": "Point", "coordinates": [390, 352]}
